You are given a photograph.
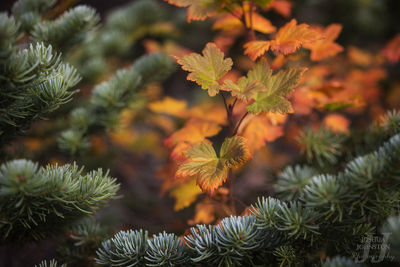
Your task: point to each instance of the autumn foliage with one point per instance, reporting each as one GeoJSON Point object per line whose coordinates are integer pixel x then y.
{"type": "Point", "coordinates": [201, 108]}
{"type": "Point", "coordinates": [255, 106]}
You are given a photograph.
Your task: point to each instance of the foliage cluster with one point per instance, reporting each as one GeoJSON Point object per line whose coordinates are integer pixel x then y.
{"type": "Point", "coordinates": [290, 95]}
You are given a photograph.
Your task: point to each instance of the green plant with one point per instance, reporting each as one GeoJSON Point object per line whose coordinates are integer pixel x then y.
{"type": "Point", "coordinates": [338, 193]}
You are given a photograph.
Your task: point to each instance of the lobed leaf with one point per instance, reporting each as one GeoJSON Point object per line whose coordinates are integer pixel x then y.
{"type": "Point", "coordinates": [212, 170]}
{"type": "Point", "coordinates": [287, 41]}
{"type": "Point", "coordinates": [278, 86]}
{"type": "Point", "coordinates": [185, 194]}
{"type": "Point", "coordinates": [206, 70]}
{"type": "Point", "coordinates": [325, 47]}
{"type": "Point", "coordinates": [197, 9]}
{"type": "Point", "coordinates": [245, 89]}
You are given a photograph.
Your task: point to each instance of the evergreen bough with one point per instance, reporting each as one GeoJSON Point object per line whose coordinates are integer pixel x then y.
{"type": "Point", "coordinates": [39, 201]}
{"type": "Point", "coordinates": [329, 211]}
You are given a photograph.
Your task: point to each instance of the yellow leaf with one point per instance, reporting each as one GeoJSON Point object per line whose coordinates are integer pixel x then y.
{"type": "Point", "coordinates": [170, 106]}
{"type": "Point", "coordinates": [185, 194]}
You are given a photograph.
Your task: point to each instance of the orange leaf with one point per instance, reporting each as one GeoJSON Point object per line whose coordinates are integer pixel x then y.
{"type": "Point", "coordinates": [169, 47]}
{"type": "Point", "coordinates": [288, 40]}
{"type": "Point", "coordinates": [392, 49]}
{"type": "Point", "coordinates": [260, 129]}
{"type": "Point", "coordinates": [204, 213]}
{"type": "Point", "coordinates": [292, 36]}
{"type": "Point", "coordinates": [209, 112]}
{"type": "Point", "coordinates": [197, 9]}
{"type": "Point", "coordinates": [194, 131]}
{"type": "Point", "coordinates": [260, 24]}
{"type": "Point", "coordinates": [281, 7]}
{"type": "Point", "coordinates": [256, 49]}
{"type": "Point", "coordinates": [337, 123]}
{"type": "Point", "coordinates": [325, 47]}
{"type": "Point", "coordinates": [228, 22]}
{"type": "Point", "coordinates": [359, 57]}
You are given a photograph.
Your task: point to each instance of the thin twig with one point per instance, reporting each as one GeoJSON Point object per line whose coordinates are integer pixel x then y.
{"type": "Point", "coordinates": [226, 106]}
{"type": "Point", "coordinates": [234, 103]}
{"type": "Point", "coordinates": [239, 123]}
{"type": "Point", "coordinates": [228, 114]}
{"type": "Point", "coordinates": [230, 187]}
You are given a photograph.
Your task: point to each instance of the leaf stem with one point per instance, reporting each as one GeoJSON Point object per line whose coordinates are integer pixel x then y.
{"type": "Point", "coordinates": [234, 103]}
{"type": "Point", "coordinates": [239, 123]}
{"type": "Point", "coordinates": [228, 114]}
{"type": "Point", "coordinates": [250, 35]}
{"type": "Point", "coordinates": [230, 187]}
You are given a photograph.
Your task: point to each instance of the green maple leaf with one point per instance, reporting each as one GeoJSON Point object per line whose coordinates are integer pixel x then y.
{"type": "Point", "coordinates": [206, 70]}
{"type": "Point", "coordinates": [278, 86]}
{"type": "Point", "coordinates": [209, 169]}
{"type": "Point", "coordinates": [245, 89]}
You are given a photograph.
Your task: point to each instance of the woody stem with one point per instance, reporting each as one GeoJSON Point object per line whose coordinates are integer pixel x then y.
{"type": "Point", "coordinates": [230, 187]}
{"type": "Point", "coordinates": [229, 182]}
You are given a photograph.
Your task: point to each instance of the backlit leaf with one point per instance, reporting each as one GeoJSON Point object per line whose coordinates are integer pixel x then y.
{"type": "Point", "coordinates": [206, 70]}
{"type": "Point", "coordinates": [170, 106]}
{"type": "Point", "coordinates": [256, 49]}
{"type": "Point", "coordinates": [197, 9]}
{"type": "Point", "coordinates": [281, 7]}
{"type": "Point", "coordinates": [261, 129]}
{"type": "Point", "coordinates": [245, 89]}
{"type": "Point", "coordinates": [204, 213]}
{"type": "Point", "coordinates": [185, 194]}
{"type": "Point", "coordinates": [210, 169]}
{"type": "Point", "coordinates": [392, 49]}
{"type": "Point", "coordinates": [194, 131]}
{"type": "Point", "coordinates": [228, 22]}
{"type": "Point", "coordinates": [288, 40]}
{"type": "Point", "coordinates": [337, 123]}
{"type": "Point", "coordinates": [278, 86]}
{"type": "Point", "coordinates": [325, 47]}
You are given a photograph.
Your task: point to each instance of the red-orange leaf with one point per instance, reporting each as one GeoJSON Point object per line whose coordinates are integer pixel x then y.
{"type": "Point", "coordinates": [392, 49]}
{"type": "Point", "coordinates": [325, 47]}
{"type": "Point", "coordinates": [197, 9]}
{"type": "Point", "coordinates": [281, 7]}
{"type": "Point", "coordinates": [337, 123]}
{"type": "Point", "coordinates": [288, 40]}
{"type": "Point", "coordinates": [229, 22]}
{"type": "Point", "coordinates": [256, 49]}
{"type": "Point", "coordinates": [193, 132]}
{"type": "Point", "coordinates": [261, 129]}
{"type": "Point", "coordinates": [292, 36]}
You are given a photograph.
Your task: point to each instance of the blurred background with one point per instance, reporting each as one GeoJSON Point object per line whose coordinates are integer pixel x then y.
{"type": "Point", "coordinates": [136, 154]}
